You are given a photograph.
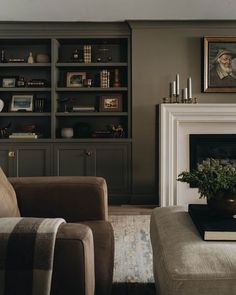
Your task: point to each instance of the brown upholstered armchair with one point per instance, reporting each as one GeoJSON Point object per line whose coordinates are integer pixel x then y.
{"type": "Point", "coordinates": [82, 202]}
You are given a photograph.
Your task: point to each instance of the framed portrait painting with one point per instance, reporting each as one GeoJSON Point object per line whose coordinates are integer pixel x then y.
{"type": "Point", "coordinates": [219, 64]}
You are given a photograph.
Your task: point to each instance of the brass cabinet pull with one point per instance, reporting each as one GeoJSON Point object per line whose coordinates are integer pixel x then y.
{"type": "Point", "coordinates": [11, 154]}
{"type": "Point", "coordinates": [88, 153]}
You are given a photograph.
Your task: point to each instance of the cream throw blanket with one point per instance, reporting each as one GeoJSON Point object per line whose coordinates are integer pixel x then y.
{"type": "Point", "coordinates": [26, 255]}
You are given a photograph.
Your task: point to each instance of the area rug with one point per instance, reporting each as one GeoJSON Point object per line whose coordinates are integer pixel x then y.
{"type": "Point", "coordinates": [133, 252]}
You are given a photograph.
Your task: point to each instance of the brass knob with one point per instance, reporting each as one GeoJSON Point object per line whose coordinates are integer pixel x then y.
{"type": "Point", "coordinates": [88, 153]}
{"type": "Point", "coordinates": [11, 154]}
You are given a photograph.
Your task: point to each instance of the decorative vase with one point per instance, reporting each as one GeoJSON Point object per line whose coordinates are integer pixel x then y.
{"type": "Point", "coordinates": [67, 132]}
{"type": "Point", "coordinates": [1, 105]}
{"type": "Point", "coordinates": [42, 58]}
{"type": "Point", "coordinates": [223, 206]}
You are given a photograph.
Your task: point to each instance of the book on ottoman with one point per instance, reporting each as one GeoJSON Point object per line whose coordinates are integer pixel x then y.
{"type": "Point", "coordinates": [210, 227]}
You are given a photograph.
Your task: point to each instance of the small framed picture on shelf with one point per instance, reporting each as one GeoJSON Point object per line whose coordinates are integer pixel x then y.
{"type": "Point", "coordinates": [110, 103]}
{"type": "Point", "coordinates": [22, 103]}
{"type": "Point", "coordinates": [75, 79]}
{"type": "Point", "coordinates": [9, 82]}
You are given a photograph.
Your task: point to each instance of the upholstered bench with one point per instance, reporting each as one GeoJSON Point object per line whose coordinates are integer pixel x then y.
{"type": "Point", "coordinates": [183, 263]}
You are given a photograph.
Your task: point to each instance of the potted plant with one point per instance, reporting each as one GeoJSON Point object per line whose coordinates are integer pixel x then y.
{"type": "Point", "coordinates": [216, 182]}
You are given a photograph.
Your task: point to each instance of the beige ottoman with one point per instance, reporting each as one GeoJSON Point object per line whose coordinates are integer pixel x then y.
{"type": "Point", "coordinates": [183, 263]}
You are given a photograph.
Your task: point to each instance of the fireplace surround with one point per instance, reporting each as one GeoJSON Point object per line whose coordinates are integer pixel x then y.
{"type": "Point", "coordinates": [176, 123]}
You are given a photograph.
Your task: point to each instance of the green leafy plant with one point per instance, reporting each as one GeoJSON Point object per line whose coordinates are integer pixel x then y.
{"type": "Point", "coordinates": [212, 178]}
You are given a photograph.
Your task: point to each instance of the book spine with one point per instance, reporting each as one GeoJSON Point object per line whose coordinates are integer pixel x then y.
{"type": "Point", "coordinates": [104, 79]}
{"type": "Point", "coordinates": [87, 53]}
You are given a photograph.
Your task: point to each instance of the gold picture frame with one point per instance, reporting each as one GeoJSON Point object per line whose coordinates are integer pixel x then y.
{"type": "Point", "coordinates": [110, 103]}
{"type": "Point", "coordinates": [75, 79]}
{"type": "Point", "coordinates": [219, 64]}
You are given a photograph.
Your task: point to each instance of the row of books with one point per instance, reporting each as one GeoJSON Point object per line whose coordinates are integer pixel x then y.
{"type": "Point", "coordinates": [83, 109]}
{"type": "Point", "coordinates": [87, 53]}
{"type": "Point", "coordinates": [23, 135]}
{"type": "Point", "coordinates": [104, 79]}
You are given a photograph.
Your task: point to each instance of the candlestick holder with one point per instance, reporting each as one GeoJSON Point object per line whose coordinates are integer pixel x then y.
{"type": "Point", "coordinates": [176, 98]}
{"type": "Point", "coordinates": [165, 99]}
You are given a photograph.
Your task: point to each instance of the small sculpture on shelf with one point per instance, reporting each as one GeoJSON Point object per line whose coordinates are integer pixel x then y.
{"type": "Point", "coordinates": [30, 58]}
{"type": "Point", "coordinates": [87, 83]}
{"type": "Point", "coordinates": [21, 82]}
{"type": "Point", "coordinates": [75, 56]}
{"type": "Point", "coordinates": [5, 131]}
{"type": "Point", "coordinates": [117, 130]}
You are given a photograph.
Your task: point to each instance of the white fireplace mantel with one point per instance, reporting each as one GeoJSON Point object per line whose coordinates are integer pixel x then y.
{"type": "Point", "coordinates": [176, 122]}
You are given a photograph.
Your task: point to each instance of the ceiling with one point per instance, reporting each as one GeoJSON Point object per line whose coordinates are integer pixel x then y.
{"type": "Point", "coordinates": [115, 10]}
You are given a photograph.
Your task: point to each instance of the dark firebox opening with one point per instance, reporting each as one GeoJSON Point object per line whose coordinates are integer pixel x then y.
{"type": "Point", "coordinates": [217, 146]}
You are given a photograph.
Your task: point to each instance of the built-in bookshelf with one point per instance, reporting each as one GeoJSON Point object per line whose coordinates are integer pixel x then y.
{"type": "Point", "coordinates": [76, 86]}
{"type": "Point", "coordinates": [68, 96]}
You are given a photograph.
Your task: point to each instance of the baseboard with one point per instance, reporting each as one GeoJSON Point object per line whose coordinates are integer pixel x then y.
{"type": "Point", "coordinates": [133, 199]}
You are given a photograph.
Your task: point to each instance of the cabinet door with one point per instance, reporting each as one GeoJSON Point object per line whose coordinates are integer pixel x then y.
{"type": "Point", "coordinates": [25, 160]}
{"type": "Point", "coordinates": [113, 163]}
{"type": "Point", "coordinates": [7, 160]}
{"type": "Point", "coordinates": [33, 160]}
{"type": "Point", "coordinates": [72, 160]}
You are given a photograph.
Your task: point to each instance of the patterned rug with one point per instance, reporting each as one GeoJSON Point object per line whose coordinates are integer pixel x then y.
{"type": "Point", "coordinates": [133, 252]}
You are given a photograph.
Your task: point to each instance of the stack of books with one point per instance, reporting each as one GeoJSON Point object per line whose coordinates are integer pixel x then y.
{"type": "Point", "coordinates": [104, 79]}
{"type": "Point", "coordinates": [212, 227]}
{"type": "Point", "coordinates": [83, 109]}
{"type": "Point", "coordinates": [87, 53]}
{"type": "Point", "coordinates": [23, 135]}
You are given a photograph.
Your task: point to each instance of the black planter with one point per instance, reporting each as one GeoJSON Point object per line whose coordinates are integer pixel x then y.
{"type": "Point", "coordinates": [223, 206]}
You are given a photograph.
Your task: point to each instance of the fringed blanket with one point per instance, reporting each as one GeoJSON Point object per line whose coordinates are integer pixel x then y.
{"type": "Point", "coordinates": [26, 255]}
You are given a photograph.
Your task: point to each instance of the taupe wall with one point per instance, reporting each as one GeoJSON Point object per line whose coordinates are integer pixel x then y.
{"type": "Point", "coordinates": [159, 51]}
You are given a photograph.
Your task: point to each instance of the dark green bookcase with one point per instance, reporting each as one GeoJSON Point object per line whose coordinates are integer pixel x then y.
{"type": "Point", "coordinates": [92, 150]}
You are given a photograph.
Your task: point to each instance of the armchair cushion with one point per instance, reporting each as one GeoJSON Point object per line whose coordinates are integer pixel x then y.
{"type": "Point", "coordinates": [8, 202]}
{"type": "Point", "coordinates": [73, 268]}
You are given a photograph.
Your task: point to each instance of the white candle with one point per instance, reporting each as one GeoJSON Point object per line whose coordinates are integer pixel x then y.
{"type": "Point", "coordinates": [190, 95]}
{"type": "Point", "coordinates": [177, 84]}
{"type": "Point", "coordinates": [185, 94]}
{"type": "Point", "coordinates": [173, 88]}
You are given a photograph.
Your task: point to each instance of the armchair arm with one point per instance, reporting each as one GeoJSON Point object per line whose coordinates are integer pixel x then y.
{"type": "Point", "coordinates": [74, 198]}
{"type": "Point", "coordinates": [73, 267]}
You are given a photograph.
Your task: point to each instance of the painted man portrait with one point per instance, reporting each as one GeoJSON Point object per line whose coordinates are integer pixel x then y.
{"type": "Point", "coordinates": [222, 73]}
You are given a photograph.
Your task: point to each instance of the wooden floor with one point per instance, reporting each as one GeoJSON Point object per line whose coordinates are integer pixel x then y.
{"type": "Point", "coordinates": [131, 209]}
{"type": "Point", "coordinates": [133, 289]}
